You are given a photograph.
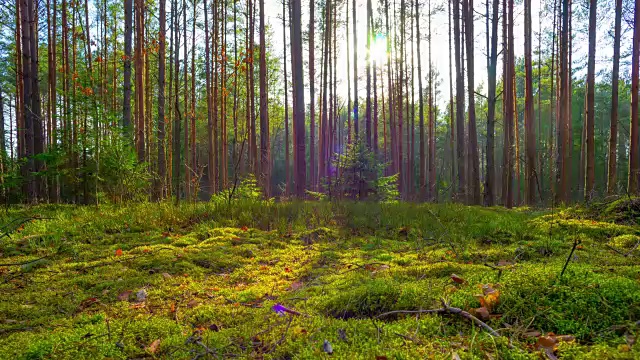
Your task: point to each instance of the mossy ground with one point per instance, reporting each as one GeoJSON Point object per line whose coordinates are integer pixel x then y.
{"type": "Point", "coordinates": [211, 274]}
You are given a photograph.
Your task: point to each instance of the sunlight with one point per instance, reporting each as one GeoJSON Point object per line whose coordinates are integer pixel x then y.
{"type": "Point", "coordinates": [379, 49]}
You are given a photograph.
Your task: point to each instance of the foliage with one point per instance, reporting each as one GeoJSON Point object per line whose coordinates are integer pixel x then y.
{"type": "Point", "coordinates": [358, 175]}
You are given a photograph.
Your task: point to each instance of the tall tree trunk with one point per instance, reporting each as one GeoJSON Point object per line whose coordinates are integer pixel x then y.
{"type": "Point", "coordinates": [139, 64]}
{"type": "Point", "coordinates": [474, 170]}
{"type": "Point", "coordinates": [264, 110]}
{"type": "Point", "coordinates": [162, 39]}
{"type": "Point", "coordinates": [451, 117]}
{"type": "Point", "coordinates": [634, 163]}
{"type": "Point", "coordinates": [298, 98]}
{"type": "Point", "coordinates": [530, 137]}
{"type": "Point", "coordinates": [392, 128]}
{"type": "Point", "coordinates": [424, 192]}
{"type": "Point", "coordinates": [27, 97]}
{"type": "Point", "coordinates": [126, 106]}
{"type": "Point", "coordinates": [185, 53]}
{"type": "Point", "coordinates": [367, 119]}
{"type": "Point", "coordinates": [460, 153]}
{"type": "Point", "coordinates": [177, 121]}
{"type": "Point", "coordinates": [211, 169]}
{"type": "Point", "coordinates": [287, 170]}
{"type": "Point", "coordinates": [431, 168]}
{"type": "Point", "coordinates": [613, 132]}
{"type": "Point", "coordinates": [313, 167]}
{"type": "Point", "coordinates": [562, 192]}
{"type": "Point", "coordinates": [490, 184]}
{"type": "Point", "coordinates": [590, 172]}
{"type": "Point", "coordinates": [355, 74]}
{"type": "Point", "coordinates": [192, 114]}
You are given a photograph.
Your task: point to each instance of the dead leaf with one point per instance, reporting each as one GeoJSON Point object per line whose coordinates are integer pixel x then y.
{"type": "Point", "coordinates": [296, 285]}
{"type": "Point", "coordinates": [381, 357]}
{"type": "Point", "coordinates": [119, 252]}
{"type": "Point", "coordinates": [481, 313]}
{"type": "Point", "coordinates": [124, 296]}
{"type": "Point", "coordinates": [173, 307]}
{"type": "Point", "coordinates": [193, 303]}
{"type": "Point", "coordinates": [457, 279]}
{"type": "Point", "coordinates": [166, 275]}
{"type": "Point", "coordinates": [153, 346]}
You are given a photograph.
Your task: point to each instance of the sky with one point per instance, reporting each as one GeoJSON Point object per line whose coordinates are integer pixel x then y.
{"type": "Point", "coordinates": [440, 44]}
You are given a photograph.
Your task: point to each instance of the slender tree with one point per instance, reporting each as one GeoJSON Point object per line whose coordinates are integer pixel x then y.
{"type": "Point", "coordinates": [298, 97]}
{"type": "Point", "coordinates": [530, 146]}
{"type": "Point", "coordinates": [162, 40]}
{"type": "Point", "coordinates": [613, 132]}
{"type": "Point", "coordinates": [474, 168]}
{"type": "Point", "coordinates": [460, 153]}
{"type": "Point", "coordinates": [634, 160]}
{"type": "Point", "coordinates": [590, 173]}
{"type": "Point", "coordinates": [128, 26]}
{"type": "Point", "coordinates": [312, 96]}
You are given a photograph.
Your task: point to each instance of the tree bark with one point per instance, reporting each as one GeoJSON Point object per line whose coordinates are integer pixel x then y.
{"type": "Point", "coordinates": [298, 98]}
{"type": "Point", "coordinates": [613, 132]}
{"type": "Point", "coordinates": [634, 163]}
{"type": "Point", "coordinates": [530, 146]}
{"type": "Point", "coordinates": [590, 172]}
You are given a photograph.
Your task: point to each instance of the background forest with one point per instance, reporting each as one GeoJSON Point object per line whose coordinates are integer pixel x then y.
{"type": "Point", "coordinates": [110, 101]}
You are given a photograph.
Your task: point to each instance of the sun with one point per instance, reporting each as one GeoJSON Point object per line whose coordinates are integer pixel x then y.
{"type": "Point", "coordinates": [379, 49]}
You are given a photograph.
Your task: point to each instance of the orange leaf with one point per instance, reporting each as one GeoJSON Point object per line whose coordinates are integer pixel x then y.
{"type": "Point", "coordinates": [153, 346]}
{"type": "Point", "coordinates": [173, 307]}
{"type": "Point", "coordinates": [119, 252]}
{"type": "Point", "coordinates": [457, 279]}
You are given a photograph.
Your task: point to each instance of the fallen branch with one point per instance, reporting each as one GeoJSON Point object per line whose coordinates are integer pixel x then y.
{"type": "Point", "coordinates": [446, 309]}
{"type": "Point", "coordinates": [7, 231]}
{"type": "Point", "coordinates": [27, 262]}
{"type": "Point", "coordinates": [624, 254]}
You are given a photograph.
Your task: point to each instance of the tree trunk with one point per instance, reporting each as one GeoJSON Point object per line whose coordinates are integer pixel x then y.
{"type": "Point", "coordinates": [460, 153]}
{"type": "Point", "coordinates": [139, 64]}
{"type": "Point", "coordinates": [312, 94]}
{"type": "Point", "coordinates": [590, 172]}
{"type": "Point", "coordinates": [530, 137]}
{"type": "Point", "coordinates": [264, 110]}
{"type": "Point", "coordinates": [634, 163]}
{"type": "Point", "coordinates": [613, 132]}
{"type": "Point", "coordinates": [424, 192]}
{"type": "Point", "coordinates": [355, 74]}
{"type": "Point", "coordinates": [126, 106]}
{"type": "Point", "coordinates": [298, 98]}
{"type": "Point", "coordinates": [490, 185]}
{"type": "Point", "coordinates": [162, 37]}
{"type": "Point", "coordinates": [286, 103]}
{"type": "Point", "coordinates": [474, 170]}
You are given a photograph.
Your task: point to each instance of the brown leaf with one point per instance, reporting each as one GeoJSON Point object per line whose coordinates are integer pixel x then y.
{"type": "Point", "coordinates": [481, 313]}
{"type": "Point", "coordinates": [296, 285]}
{"type": "Point", "coordinates": [381, 357]}
{"type": "Point", "coordinates": [124, 296]}
{"type": "Point", "coordinates": [153, 346]}
{"type": "Point", "coordinates": [457, 279]}
{"type": "Point", "coordinates": [193, 303]}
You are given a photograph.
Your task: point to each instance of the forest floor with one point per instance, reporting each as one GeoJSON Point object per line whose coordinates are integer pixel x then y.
{"type": "Point", "coordinates": [201, 281]}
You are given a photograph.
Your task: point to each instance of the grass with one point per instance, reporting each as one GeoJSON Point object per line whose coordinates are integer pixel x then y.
{"type": "Point", "coordinates": [208, 274]}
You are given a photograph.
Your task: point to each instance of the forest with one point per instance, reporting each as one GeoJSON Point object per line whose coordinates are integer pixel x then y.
{"type": "Point", "coordinates": [289, 179]}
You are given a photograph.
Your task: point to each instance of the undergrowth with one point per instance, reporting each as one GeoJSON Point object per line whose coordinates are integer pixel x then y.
{"type": "Point", "coordinates": [163, 281]}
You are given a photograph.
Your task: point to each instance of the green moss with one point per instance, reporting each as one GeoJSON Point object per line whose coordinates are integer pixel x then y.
{"type": "Point", "coordinates": [215, 271]}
